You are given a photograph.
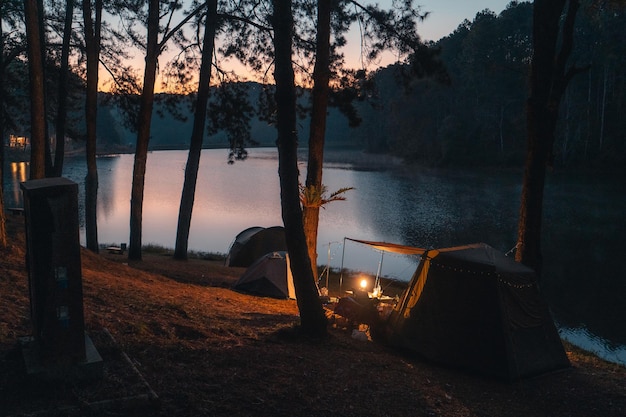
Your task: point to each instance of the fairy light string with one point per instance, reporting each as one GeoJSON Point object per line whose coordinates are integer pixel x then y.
{"type": "Point", "coordinates": [476, 273]}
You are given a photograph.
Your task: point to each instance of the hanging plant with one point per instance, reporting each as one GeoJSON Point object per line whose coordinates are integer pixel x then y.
{"type": "Point", "coordinates": [313, 196]}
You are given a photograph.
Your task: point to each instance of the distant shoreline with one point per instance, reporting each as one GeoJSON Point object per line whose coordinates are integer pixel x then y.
{"type": "Point", "coordinates": [332, 156]}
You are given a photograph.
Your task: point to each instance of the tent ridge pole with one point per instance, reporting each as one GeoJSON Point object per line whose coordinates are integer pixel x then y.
{"type": "Point", "coordinates": [343, 252]}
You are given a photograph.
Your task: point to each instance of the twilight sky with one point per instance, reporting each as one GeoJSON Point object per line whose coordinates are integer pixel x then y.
{"type": "Point", "coordinates": [446, 15]}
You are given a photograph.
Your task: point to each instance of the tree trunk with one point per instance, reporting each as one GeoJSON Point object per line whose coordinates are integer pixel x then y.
{"type": "Point", "coordinates": [312, 318]}
{"type": "Point", "coordinates": [49, 169]}
{"type": "Point", "coordinates": [92, 45]}
{"type": "Point", "coordinates": [589, 125]}
{"type": "Point", "coordinates": [197, 135]}
{"type": "Point", "coordinates": [540, 126]}
{"type": "Point", "coordinates": [3, 226]}
{"type": "Point", "coordinates": [317, 131]}
{"type": "Point", "coordinates": [143, 132]}
{"type": "Point", "coordinates": [548, 80]}
{"type": "Point", "coordinates": [603, 107]}
{"type": "Point", "coordinates": [501, 126]}
{"type": "Point", "coordinates": [2, 121]}
{"type": "Point", "coordinates": [310, 222]}
{"type": "Point", "coordinates": [61, 119]}
{"type": "Point", "coordinates": [3, 229]}
{"type": "Point", "coordinates": [36, 83]}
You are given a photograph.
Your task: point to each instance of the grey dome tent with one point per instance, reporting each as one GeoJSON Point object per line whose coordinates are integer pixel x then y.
{"type": "Point", "coordinates": [254, 242]}
{"type": "Point", "coordinates": [269, 276]}
{"type": "Point", "coordinates": [474, 308]}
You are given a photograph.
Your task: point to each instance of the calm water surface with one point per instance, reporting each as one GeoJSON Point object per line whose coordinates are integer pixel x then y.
{"type": "Point", "coordinates": [584, 279]}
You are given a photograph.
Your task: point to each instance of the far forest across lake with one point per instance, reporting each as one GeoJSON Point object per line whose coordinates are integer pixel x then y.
{"type": "Point", "coordinates": [477, 119]}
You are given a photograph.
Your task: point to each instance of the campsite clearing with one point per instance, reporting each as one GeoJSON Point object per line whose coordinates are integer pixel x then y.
{"type": "Point", "coordinates": [207, 350]}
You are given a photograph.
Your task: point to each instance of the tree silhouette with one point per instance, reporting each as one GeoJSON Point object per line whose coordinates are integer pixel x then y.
{"type": "Point", "coordinates": [3, 229]}
{"type": "Point", "coordinates": [382, 30]}
{"type": "Point", "coordinates": [153, 50]}
{"type": "Point", "coordinates": [92, 30]}
{"type": "Point", "coordinates": [549, 77]}
{"type": "Point", "coordinates": [312, 318]}
{"type": "Point", "coordinates": [312, 192]}
{"type": "Point", "coordinates": [62, 87]}
{"type": "Point", "coordinates": [197, 134]}
{"type": "Point", "coordinates": [37, 89]}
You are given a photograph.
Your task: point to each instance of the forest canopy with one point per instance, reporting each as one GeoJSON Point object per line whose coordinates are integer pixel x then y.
{"type": "Point", "coordinates": [478, 119]}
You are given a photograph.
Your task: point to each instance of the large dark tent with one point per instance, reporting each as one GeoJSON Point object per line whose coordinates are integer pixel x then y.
{"type": "Point", "coordinates": [474, 308]}
{"type": "Point", "coordinates": [254, 242]}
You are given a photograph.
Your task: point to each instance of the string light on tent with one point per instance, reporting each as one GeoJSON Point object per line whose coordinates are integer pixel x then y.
{"type": "Point", "coordinates": [483, 273]}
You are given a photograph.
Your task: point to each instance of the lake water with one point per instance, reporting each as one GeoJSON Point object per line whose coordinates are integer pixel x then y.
{"type": "Point", "coordinates": [584, 278]}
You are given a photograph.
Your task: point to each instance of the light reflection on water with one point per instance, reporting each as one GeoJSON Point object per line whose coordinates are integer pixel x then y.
{"type": "Point", "coordinates": [19, 173]}
{"type": "Point", "coordinates": [584, 279]}
{"type": "Point", "coordinates": [586, 340]}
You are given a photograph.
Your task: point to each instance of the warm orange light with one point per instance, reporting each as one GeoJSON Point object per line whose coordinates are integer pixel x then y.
{"type": "Point", "coordinates": [18, 171]}
{"type": "Point", "coordinates": [363, 283]}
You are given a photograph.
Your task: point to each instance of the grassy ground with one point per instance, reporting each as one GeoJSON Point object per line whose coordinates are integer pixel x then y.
{"type": "Point", "coordinates": [176, 341]}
